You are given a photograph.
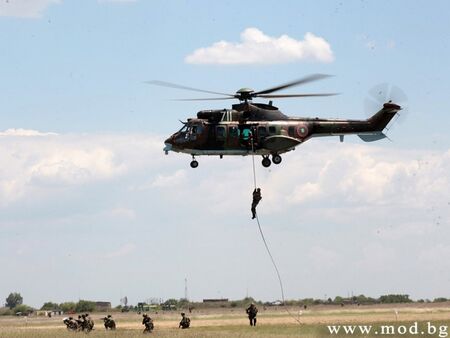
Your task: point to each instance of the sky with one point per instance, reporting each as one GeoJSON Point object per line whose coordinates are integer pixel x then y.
{"type": "Point", "coordinates": [91, 208]}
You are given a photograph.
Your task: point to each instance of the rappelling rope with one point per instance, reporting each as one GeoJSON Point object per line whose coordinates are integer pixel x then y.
{"type": "Point", "coordinates": [267, 246]}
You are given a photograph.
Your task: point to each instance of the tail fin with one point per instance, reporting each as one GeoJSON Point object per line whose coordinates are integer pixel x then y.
{"type": "Point", "coordinates": [380, 120]}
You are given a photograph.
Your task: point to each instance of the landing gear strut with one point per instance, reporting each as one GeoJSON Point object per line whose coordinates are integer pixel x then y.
{"type": "Point", "coordinates": [194, 163]}
{"type": "Point", "coordinates": [276, 159]}
{"type": "Point", "coordinates": [266, 162]}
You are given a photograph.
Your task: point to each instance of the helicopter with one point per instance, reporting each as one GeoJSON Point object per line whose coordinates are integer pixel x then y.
{"type": "Point", "coordinates": [250, 128]}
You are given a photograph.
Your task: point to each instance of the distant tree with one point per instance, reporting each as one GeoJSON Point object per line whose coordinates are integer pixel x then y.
{"type": "Point", "coordinates": [361, 299]}
{"type": "Point", "coordinates": [338, 300]}
{"type": "Point", "coordinates": [307, 301]}
{"type": "Point", "coordinates": [183, 302]}
{"type": "Point", "coordinates": [440, 300]}
{"type": "Point", "coordinates": [13, 300]}
{"type": "Point", "coordinates": [249, 300]}
{"type": "Point", "coordinates": [68, 306]}
{"type": "Point", "coordinates": [390, 299]}
{"type": "Point", "coordinates": [49, 306]}
{"type": "Point", "coordinates": [171, 301]}
{"type": "Point", "coordinates": [22, 308]}
{"type": "Point", "coordinates": [85, 306]}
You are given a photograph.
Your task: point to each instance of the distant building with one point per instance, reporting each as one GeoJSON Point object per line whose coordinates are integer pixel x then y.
{"type": "Point", "coordinates": [215, 300]}
{"type": "Point", "coordinates": [102, 306]}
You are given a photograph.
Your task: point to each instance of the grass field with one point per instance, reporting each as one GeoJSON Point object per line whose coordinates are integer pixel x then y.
{"type": "Point", "coordinates": [233, 323]}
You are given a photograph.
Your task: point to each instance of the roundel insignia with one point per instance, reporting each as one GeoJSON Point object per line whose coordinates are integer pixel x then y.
{"type": "Point", "coordinates": [302, 130]}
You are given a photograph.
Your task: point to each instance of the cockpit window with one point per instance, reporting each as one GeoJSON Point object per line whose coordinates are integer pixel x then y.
{"type": "Point", "coordinates": [183, 129]}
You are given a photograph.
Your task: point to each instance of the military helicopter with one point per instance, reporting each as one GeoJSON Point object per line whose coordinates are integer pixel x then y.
{"type": "Point", "coordinates": [250, 128]}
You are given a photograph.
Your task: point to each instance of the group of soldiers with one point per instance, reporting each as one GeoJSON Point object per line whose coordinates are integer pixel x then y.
{"type": "Point", "coordinates": [86, 324]}
{"type": "Point", "coordinates": [83, 323]}
{"type": "Point", "coordinates": [149, 326]}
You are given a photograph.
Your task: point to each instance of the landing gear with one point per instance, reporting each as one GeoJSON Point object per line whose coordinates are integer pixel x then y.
{"type": "Point", "coordinates": [266, 162]}
{"type": "Point", "coordinates": [276, 159]}
{"type": "Point", "coordinates": [194, 163]}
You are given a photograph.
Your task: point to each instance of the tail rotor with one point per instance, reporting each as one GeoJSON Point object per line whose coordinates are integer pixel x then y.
{"type": "Point", "coordinates": [387, 93]}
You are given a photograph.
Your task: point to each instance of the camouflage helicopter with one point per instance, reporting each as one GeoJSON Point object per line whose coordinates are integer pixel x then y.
{"type": "Point", "coordinates": [262, 129]}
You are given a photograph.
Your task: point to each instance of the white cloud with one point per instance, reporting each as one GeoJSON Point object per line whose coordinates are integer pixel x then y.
{"type": "Point", "coordinates": [53, 161]}
{"type": "Point", "coordinates": [257, 48]}
{"type": "Point", "coordinates": [364, 175]}
{"type": "Point", "coordinates": [125, 213]}
{"type": "Point", "coordinates": [339, 183]}
{"type": "Point", "coordinates": [117, 1]}
{"type": "Point", "coordinates": [176, 178]}
{"type": "Point", "coordinates": [124, 250]}
{"type": "Point", "coordinates": [25, 8]}
{"type": "Point", "coordinates": [24, 132]}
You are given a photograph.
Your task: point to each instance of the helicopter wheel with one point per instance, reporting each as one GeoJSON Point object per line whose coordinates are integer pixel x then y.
{"type": "Point", "coordinates": [266, 162]}
{"type": "Point", "coordinates": [276, 159]}
{"type": "Point", "coordinates": [194, 164]}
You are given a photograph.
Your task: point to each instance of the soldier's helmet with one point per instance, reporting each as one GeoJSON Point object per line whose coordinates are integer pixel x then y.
{"type": "Point", "coordinates": [79, 316]}
{"type": "Point", "coordinates": [70, 318]}
{"type": "Point", "coordinates": [144, 315]}
{"type": "Point", "coordinates": [109, 316]}
{"type": "Point", "coordinates": [182, 313]}
{"type": "Point", "coordinates": [258, 189]}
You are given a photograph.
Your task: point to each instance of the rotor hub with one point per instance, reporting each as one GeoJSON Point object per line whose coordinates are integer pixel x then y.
{"type": "Point", "coordinates": [244, 94]}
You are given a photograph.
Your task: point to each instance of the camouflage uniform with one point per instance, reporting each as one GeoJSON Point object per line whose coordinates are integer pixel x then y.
{"type": "Point", "coordinates": [251, 312]}
{"type": "Point", "coordinates": [81, 321]}
{"type": "Point", "coordinates": [256, 198]}
{"type": "Point", "coordinates": [185, 321]}
{"type": "Point", "coordinates": [148, 322]}
{"type": "Point", "coordinates": [88, 323]}
{"type": "Point", "coordinates": [109, 323]}
{"type": "Point", "coordinates": [71, 324]}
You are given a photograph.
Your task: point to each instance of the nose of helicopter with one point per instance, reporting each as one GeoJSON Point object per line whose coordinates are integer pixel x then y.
{"type": "Point", "coordinates": [168, 145]}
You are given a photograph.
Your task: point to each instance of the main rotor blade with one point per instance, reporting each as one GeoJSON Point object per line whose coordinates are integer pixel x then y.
{"type": "Point", "coordinates": [296, 95]}
{"type": "Point", "coordinates": [205, 99]}
{"type": "Point", "coordinates": [310, 78]}
{"type": "Point", "coordinates": [177, 86]}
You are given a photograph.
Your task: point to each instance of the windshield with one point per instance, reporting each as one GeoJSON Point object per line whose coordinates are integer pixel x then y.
{"type": "Point", "coordinates": [183, 129]}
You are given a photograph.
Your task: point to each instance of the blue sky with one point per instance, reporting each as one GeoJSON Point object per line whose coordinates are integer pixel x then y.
{"type": "Point", "coordinates": [85, 187]}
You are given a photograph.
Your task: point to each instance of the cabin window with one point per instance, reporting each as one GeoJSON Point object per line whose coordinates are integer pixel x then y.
{"type": "Point", "coordinates": [220, 133]}
{"type": "Point", "coordinates": [291, 131]}
{"type": "Point", "coordinates": [272, 130]}
{"type": "Point", "coordinates": [234, 132]}
{"type": "Point", "coordinates": [262, 132]}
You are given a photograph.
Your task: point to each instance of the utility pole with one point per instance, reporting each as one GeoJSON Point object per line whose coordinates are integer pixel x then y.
{"type": "Point", "coordinates": [185, 289]}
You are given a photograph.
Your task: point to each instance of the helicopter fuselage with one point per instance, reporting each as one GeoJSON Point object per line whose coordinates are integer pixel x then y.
{"type": "Point", "coordinates": [263, 130]}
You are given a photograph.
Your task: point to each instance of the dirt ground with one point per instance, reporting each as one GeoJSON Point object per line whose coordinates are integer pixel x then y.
{"type": "Point", "coordinates": [272, 322]}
